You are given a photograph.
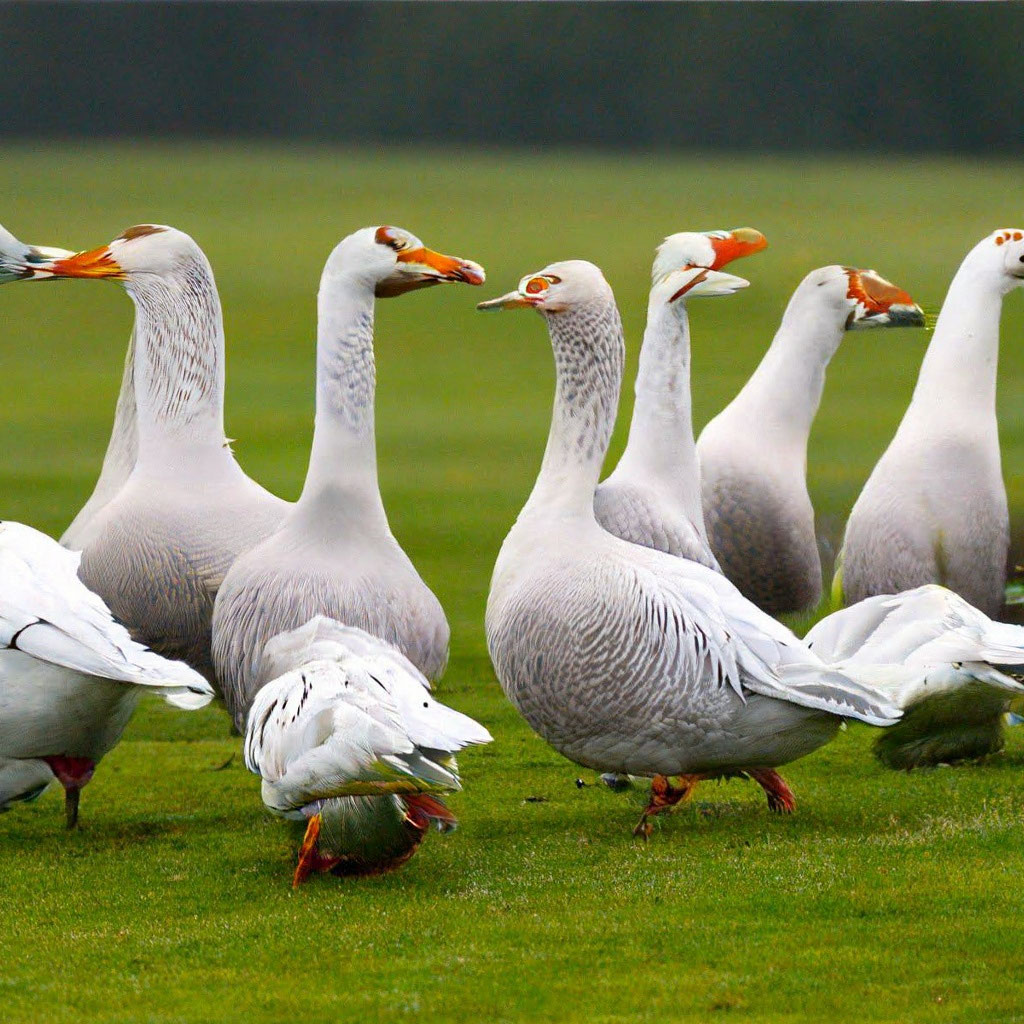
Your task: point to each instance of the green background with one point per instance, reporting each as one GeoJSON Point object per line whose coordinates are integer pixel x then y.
{"type": "Point", "coordinates": [884, 898]}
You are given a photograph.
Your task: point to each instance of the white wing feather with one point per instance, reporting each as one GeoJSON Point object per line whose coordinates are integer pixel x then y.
{"type": "Point", "coordinates": [349, 716]}
{"type": "Point", "coordinates": [47, 612]}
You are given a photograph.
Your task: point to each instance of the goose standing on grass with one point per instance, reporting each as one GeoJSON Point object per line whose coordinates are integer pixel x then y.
{"type": "Point", "coordinates": [753, 454]}
{"type": "Point", "coordinates": [334, 553]}
{"type": "Point", "coordinates": [70, 675]}
{"type": "Point", "coordinates": [349, 741]}
{"type": "Point", "coordinates": [653, 495]}
{"type": "Point", "coordinates": [157, 550]}
{"type": "Point", "coordinates": [631, 660]}
{"type": "Point", "coordinates": [949, 666]}
{"type": "Point", "coordinates": [934, 509]}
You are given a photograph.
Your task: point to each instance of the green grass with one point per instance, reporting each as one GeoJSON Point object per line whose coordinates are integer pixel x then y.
{"type": "Point", "coordinates": [886, 897]}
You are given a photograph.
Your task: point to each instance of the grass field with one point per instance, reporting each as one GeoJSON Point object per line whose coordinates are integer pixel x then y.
{"type": "Point", "coordinates": [885, 898]}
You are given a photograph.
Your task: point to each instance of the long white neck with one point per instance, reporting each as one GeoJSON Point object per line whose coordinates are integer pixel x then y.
{"type": "Point", "coordinates": [589, 355]}
{"type": "Point", "coordinates": [122, 452]}
{"type": "Point", "coordinates": [661, 450]}
{"type": "Point", "coordinates": [958, 374]}
{"type": "Point", "coordinates": [179, 364]}
{"type": "Point", "coordinates": [781, 398]}
{"type": "Point", "coordinates": [342, 476]}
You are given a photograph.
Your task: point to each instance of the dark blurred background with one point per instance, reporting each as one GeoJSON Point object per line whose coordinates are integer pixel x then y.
{"type": "Point", "coordinates": [881, 77]}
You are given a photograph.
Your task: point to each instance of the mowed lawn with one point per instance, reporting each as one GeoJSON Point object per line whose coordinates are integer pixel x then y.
{"type": "Point", "coordinates": [886, 897]}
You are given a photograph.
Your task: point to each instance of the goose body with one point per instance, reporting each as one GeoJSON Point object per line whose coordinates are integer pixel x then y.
{"type": "Point", "coordinates": [947, 664]}
{"type": "Point", "coordinates": [70, 675]}
{"type": "Point", "coordinates": [627, 659]}
{"type": "Point", "coordinates": [334, 553]}
{"type": "Point", "coordinates": [753, 454]}
{"type": "Point", "coordinates": [934, 509]}
{"type": "Point", "coordinates": [173, 508]}
{"type": "Point", "coordinates": [349, 741]}
{"type": "Point", "coordinates": [652, 497]}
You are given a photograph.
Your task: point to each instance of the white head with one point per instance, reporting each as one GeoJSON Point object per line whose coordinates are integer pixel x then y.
{"type": "Point", "coordinates": [558, 288]}
{"type": "Point", "coordinates": [393, 261]}
{"type": "Point", "coordinates": [689, 263]}
{"type": "Point", "coordinates": [1001, 253]}
{"type": "Point", "coordinates": [145, 249]}
{"type": "Point", "coordinates": [859, 298]}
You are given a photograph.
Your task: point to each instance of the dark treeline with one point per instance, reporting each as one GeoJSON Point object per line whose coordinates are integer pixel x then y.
{"type": "Point", "coordinates": [850, 76]}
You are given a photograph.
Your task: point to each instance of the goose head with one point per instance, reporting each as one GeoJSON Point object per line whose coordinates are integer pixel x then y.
{"type": "Point", "coordinates": [859, 298]}
{"type": "Point", "coordinates": [558, 288]}
{"type": "Point", "coordinates": [18, 260]}
{"type": "Point", "coordinates": [141, 252]}
{"type": "Point", "coordinates": [394, 261]}
{"type": "Point", "coordinates": [1005, 249]}
{"type": "Point", "coordinates": [689, 263]}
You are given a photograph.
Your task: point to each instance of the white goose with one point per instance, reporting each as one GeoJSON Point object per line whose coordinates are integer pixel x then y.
{"type": "Point", "coordinates": [753, 454]}
{"type": "Point", "coordinates": [349, 741]}
{"type": "Point", "coordinates": [626, 659]}
{"type": "Point", "coordinates": [934, 509]}
{"type": "Point", "coordinates": [653, 495]}
{"type": "Point", "coordinates": [949, 666]}
{"type": "Point", "coordinates": [157, 549]}
{"type": "Point", "coordinates": [334, 553]}
{"type": "Point", "coordinates": [70, 676]}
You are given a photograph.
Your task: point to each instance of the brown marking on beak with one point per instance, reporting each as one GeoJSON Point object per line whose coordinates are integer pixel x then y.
{"type": "Point", "coordinates": [446, 268]}
{"type": "Point", "coordinates": [93, 263]}
{"type": "Point", "coordinates": [690, 284]}
{"type": "Point", "coordinates": [740, 242]}
{"type": "Point", "coordinates": [874, 292]}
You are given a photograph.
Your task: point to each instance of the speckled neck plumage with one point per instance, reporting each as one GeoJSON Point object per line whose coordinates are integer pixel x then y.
{"type": "Point", "coordinates": [179, 358]}
{"type": "Point", "coordinates": [343, 460]}
{"type": "Point", "coordinates": [589, 355]}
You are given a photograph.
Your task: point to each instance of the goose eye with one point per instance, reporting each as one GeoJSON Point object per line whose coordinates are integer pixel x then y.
{"type": "Point", "coordinates": [386, 236]}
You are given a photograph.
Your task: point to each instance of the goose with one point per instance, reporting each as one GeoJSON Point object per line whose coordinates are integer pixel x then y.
{"type": "Point", "coordinates": [334, 554]}
{"type": "Point", "coordinates": [70, 675]}
{"type": "Point", "coordinates": [19, 262]}
{"type": "Point", "coordinates": [626, 659]}
{"type": "Point", "coordinates": [157, 549]}
{"type": "Point", "coordinates": [653, 495]}
{"type": "Point", "coordinates": [948, 665]}
{"type": "Point", "coordinates": [17, 258]}
{"type": "Point", "coordinates": [349, 741]}
{"type": "Point", "coordinates": [753, 454]}
{"type": "Point", "coordinates": [934, 509]}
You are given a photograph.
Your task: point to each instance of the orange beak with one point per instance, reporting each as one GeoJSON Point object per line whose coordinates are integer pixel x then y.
{"type": "Point", "coordinates": [445, 268]}
{"type": "Point", "coordinates": [879, 302]}
{"type": "Point", "coordinates": [94, 263]}
{"type": "Point", "coordinates": [738, 243]}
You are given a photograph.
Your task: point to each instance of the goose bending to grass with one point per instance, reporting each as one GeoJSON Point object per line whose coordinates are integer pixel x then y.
{"type": "Point", "coordinates": [753, 454]}
{"type": "Point", "coordinates": [934, 508]}
{"type": "Point", "coordinates": [157, 549]}
{"type": "Point", "coordinates": [334, 553]}
{"type": "Point", "coordinates": [349, 741]}
{"type": "Point", "coordinates": [70, 675]}
{"type": "Point", "coordinates": [653, 495]}
{"type": "Point", "coordinates": [949, 666]}
{"type": "Point", "coordinates": [627, 659]}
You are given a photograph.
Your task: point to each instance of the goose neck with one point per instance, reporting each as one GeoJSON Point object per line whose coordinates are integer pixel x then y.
{"type": "Point", "coordinates": [178, 371]}
{"type": "Point", "coordinates": [343, 460]}
{"type": "Point", "coordinates": [660, 449]}
{"type": "Point", "coordinates": [589, 355]}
